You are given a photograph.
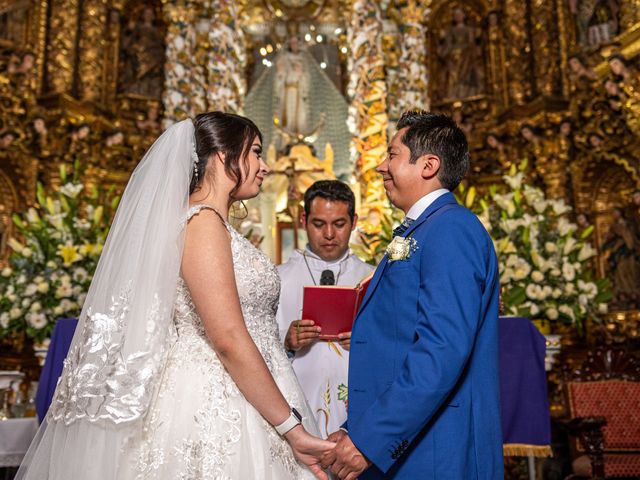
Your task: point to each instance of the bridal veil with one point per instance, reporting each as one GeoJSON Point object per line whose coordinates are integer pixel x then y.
{"type": "Point", "coordinates": [111, 373]}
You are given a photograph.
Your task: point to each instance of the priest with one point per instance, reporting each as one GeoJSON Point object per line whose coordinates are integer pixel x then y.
{"type": "Point", "coordinates": [321, 366]}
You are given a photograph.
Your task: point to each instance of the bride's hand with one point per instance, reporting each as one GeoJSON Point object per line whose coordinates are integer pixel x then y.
{"type": "Point", "coordinates": [309, 449]}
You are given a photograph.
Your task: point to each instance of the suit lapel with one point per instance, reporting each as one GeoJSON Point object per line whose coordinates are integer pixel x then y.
{"type": "Point", "coordinates": [446, 199]}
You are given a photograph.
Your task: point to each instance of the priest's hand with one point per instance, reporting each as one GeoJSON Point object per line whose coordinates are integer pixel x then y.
{"type": "Point", "coordinates": [345, 340]}
{"type": "Point", "coordinates": [300, 334]}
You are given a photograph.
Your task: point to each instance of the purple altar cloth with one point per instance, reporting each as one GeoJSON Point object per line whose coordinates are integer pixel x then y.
{"type": "Point", "coordinates": [526, 421]}
{"type": "Point", "coordinates": [58, 348]}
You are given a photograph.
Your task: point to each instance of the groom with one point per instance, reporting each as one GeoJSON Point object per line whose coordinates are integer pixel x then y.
{"type": "Point", "coordinates": [423, 371]}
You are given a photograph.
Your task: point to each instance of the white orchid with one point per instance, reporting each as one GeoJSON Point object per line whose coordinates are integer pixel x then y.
{"type": "Point", "coordinates": [71, 190]}
{"type": "Point", "coordinates": [586, 252]}
{"type": "Point", "coordinates": [569, 246]}
{"type": "Point", "coordinates": [565, 227]}
{"type": "Point", "coordinates": [559, 207]}
{"type": "Point", "coordinates": [568, 311]}
{"type": "Point", "coordinates": [514, 181]}
{"type": "Point", "coordinates": [540, 206]}
{"type": "Point", "coordinates": [568, 272]}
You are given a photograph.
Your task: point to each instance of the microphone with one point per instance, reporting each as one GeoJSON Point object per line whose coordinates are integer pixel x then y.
{"type": "Point", "coordinates": [327, 278]}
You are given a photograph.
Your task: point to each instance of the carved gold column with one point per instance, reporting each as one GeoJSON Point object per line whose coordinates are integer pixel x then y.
{"type": "Point", "coordinates": [629, 14]}
{"type": "Point", "coordinates": [497, 61]}
{"type": "Point", "coordinates": [38, 38]}
{"type": "Point", "coordinates": [410, 83]}
{"type": "Point", "coordinates": [518, 51]}
{"type": "Point", "coordinates": [61, 55]}
{"type": "Point", "coordinates": [182, 89]}
{"type": "Point", "coordinates": [111, 55]}
{"type": "Point", "coordinates": [545, 48]}
{"type": "Point", "coordinates": [93, 19]}
{"type": "Point", "coordinates": [226, 59]}
{"type": "Point", "coordinates": [566, 42]}
{"type": "Point", "coordinates": [367, 91]}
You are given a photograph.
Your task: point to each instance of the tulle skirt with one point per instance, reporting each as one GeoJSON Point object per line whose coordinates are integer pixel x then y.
{"type": "Point", "coordinates": [199, 426]}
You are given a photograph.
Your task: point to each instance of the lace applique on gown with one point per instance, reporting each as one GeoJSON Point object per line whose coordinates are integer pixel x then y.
{"type": "Point", "coordinates": [199, 425]}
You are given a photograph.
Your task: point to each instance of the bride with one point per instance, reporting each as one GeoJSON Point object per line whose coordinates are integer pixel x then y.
{"type": "Point", "coordinates": [176, 370]}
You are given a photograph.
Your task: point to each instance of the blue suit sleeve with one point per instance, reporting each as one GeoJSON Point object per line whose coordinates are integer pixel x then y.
{"type": "Point", "coordinates": [454, 266]}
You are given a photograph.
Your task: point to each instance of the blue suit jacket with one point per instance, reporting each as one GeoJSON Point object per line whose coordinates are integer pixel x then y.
{"type": "Point", "coordinates": [423, 366]}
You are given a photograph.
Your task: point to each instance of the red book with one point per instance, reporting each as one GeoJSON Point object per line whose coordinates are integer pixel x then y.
{"type": "Point", "coordinates": [333, 307]}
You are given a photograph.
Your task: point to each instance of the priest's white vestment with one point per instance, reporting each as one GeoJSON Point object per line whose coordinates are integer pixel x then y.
{"type": "Point", "coordinates": [322, 367]}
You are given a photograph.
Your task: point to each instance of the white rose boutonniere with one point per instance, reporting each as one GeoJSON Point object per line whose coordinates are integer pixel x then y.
{"type": "Point", "coordinates": [401, 248]}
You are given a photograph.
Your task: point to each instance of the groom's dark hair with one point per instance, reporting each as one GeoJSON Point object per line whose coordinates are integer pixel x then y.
{"type": "Point", "coordinates": [437, 134]}
{"type": "Point", "coordinates": [332, 190]}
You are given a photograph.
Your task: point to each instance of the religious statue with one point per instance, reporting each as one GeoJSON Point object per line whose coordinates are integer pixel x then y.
{"type": "Point", "coordinates": [20, 71]}
{"type": "Point", "coordinates": [462, 121]}
{"type": "Point", "coordinates": [461, 53]}
{"type": "Point", "coordinates": [7, 138]}
{"type": "Point", "coordinates": [596, 20]}
{"type": "Point", "coordinates": [142, 53]}
{"type": "Point", "coordinates": [501, 158]}
{"type": "Point", "coordinates": [580, 76]}
{"type": "Point", "coordinates": [116, 153]}
{"type": "Point", "coordinates": [555, 171]}
{"type": "Point", "coordinates": [623, 262]}
{"type": "Point", "coordinates": [151, 122]}
{"type": "Point", "coordinates": [40, 136]}
{"type": "Point", "coordinates": [536, 151]}
{"type": "Point", "coordinates": [629, 87]}
{"type": "Point", "coordinates": [80, 145]}
{"type": "Point", "coordinates": [291, 89]}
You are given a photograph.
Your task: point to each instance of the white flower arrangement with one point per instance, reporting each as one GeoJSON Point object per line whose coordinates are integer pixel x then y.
{"type": "Point", "coordinates": [544, 264]}
{"type": "Point", "coordinates": [52, 264]}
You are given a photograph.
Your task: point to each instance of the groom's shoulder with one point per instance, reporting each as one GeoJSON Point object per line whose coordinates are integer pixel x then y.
{"type": "Point", "coordinates": [458, 221]}
{"type": "Point", "coordinates": [455, 213]}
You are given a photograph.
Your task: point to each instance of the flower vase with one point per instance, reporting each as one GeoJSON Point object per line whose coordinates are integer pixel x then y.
{"type": "Point", "coordinates": [544, 326]}
{"type": "Point", "coordinates": [40, 349]}
{"type": "Point", "coordinates": [553, 342]}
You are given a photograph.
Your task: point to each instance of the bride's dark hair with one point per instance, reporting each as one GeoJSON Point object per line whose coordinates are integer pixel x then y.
{"type": "Point", "coordinates": [219, 132]}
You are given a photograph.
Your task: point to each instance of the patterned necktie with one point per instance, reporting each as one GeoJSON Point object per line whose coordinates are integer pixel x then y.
{"type": "Point", "coordinates": [400, 229]}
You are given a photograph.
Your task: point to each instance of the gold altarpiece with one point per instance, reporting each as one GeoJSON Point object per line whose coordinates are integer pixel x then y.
{"type": "Point", "coordinates": [84, 79]}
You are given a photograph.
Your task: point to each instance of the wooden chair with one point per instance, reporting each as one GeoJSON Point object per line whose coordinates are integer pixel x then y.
{"type": "Point", "coordinates": [603, 398]}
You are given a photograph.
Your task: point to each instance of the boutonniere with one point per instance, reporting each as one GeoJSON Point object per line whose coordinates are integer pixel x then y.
{"type": "Point", "coordinates": [401, 248]}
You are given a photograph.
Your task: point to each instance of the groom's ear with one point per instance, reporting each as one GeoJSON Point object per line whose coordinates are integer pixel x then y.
{"type": "Point", "coordinates": [430, 164]}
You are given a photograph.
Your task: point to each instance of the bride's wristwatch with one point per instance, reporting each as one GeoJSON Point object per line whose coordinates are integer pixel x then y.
{"type": "Point", "coordinates": [293, 420]}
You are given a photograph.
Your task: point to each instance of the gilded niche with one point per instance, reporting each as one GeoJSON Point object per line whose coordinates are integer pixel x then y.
{"type": "Point", "coordinates": [458, 69]}
{"type": "Point", "coordinates": [142, 52]}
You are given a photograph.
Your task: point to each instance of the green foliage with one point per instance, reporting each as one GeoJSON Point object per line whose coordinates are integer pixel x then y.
{"type": "Point", "coordinates": [53, 262]}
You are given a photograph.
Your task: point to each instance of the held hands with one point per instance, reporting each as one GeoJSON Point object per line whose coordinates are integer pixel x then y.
{"type": "Point", "coordinates": [345, 460]}
{"type": "Point", "coordinates": [309, 449]}
{"type": "Point", "coordinates": [300, 334]}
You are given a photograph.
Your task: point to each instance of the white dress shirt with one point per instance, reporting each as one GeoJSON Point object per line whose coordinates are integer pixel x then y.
{"type": "Point", "coordinates": [421, 205]}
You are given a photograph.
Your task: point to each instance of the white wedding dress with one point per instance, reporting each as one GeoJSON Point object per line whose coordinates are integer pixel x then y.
{"type": "Point", "coordinates": [199, 425]}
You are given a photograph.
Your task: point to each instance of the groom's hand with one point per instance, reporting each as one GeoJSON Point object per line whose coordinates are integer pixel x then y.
{"type": "Point", "coordinates": [329, 457]}
{"type": "Point", "coordinates": [349, 462]}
